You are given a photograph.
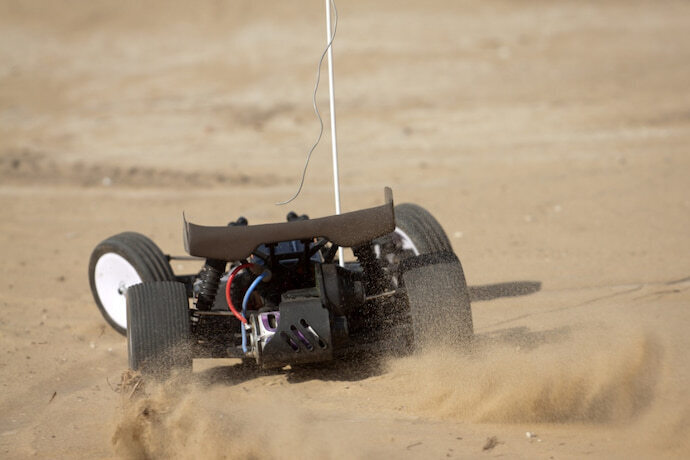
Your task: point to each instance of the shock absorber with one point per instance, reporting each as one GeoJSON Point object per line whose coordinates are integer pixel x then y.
{"type": "Point", "coordinates": [209, 278]}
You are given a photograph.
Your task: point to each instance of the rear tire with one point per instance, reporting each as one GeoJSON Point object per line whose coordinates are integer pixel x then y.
{"type": "Point", "coordinates": [438, 299]}
{"type": "Point", "coordinates": [116, 264]}
{"type": "Point", "coordinates": [158, 327]}
{"type": "Point", "coordinates": [434, 307]}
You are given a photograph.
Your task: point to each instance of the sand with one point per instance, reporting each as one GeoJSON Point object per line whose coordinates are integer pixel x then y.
{"type": "Point", "coordinates": [550, 139]}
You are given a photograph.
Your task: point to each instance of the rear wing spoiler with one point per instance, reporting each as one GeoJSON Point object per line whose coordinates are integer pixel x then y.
{"type": "Point", "coordinates": [232, 243]}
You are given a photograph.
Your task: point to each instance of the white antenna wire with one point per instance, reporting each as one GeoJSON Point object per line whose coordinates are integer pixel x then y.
{"type": "Point", "coordinates": [334, 141]}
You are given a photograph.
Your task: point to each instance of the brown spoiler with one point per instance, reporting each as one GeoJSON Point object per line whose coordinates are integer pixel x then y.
{"type": "Point", "coordinates": [233, 243]}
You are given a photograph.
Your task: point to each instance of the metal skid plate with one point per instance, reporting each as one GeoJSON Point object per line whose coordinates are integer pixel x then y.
{"type": "Point", "coordinates": [303, 335]}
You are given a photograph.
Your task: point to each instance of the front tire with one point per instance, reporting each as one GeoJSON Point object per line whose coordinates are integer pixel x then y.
{"type": "Point", "coordinates": [416, 232]}
{"type": "Point", "coordinates": [423, 231]}
{"type": "Point", "coordinates": [116, 264]}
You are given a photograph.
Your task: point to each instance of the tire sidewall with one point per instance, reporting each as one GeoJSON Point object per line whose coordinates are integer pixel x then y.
{"type": "Point", "coordinates": [127, 253]}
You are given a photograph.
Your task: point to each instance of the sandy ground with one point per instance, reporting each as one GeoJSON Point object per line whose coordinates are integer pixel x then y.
{"type": "Point", "coordinates": [550, 138]}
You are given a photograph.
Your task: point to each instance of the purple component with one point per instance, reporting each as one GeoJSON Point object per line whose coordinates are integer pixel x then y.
{"type": "Point", "coordinates": [303, 339]}
{"type": "Point", "coordinates": [266, 323]}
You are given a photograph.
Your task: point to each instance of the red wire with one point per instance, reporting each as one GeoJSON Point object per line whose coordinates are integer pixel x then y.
{"type": "Point", "coordinates": [234, 311]}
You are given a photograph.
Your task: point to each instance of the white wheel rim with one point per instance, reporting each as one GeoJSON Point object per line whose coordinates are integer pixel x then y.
{"type": "Point", "coordinates": [113, 275]}
{"type": "Point", "coordinates": [407, 241]}
{"type": "Point", "coordinates": [406, 245]}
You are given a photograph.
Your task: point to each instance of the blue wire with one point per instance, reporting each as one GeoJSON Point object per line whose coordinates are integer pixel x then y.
{"type": "Point", "coordinates": [244, 307]}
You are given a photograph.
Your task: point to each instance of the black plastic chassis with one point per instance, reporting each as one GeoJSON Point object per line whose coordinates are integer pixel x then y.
{"type": "Point", "coordinates": [311, 308]}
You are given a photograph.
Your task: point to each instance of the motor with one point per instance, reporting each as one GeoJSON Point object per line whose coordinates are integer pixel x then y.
{"type": "Point", "coordinates": [298, 332]}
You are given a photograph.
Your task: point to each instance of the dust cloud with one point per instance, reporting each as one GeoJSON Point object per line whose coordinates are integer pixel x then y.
{"type": "Point", "coordinates": [575, 380]}
{"type": "Point", "coordinates": [564, 377]}
{"type": "Point", "coordinates": [186, 417]}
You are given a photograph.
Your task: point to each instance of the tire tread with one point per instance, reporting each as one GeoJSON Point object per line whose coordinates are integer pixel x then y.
{"type": "Point", "coordinates": [424, 230]}
{"type": "Point", "coordinates": [157, 322]}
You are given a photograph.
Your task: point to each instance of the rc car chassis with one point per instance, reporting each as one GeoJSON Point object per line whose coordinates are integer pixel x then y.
{"type": "Point", "coordinates": [275, 294]}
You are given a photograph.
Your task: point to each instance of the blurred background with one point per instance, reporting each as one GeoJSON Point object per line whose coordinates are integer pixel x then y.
{"type": "Point", "coordinates": [549, 138]}
{"type": "Point", "coordinates": [508, 115]}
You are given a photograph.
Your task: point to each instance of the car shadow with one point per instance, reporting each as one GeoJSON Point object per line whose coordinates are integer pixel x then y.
{"type": "Point", "coordinates": [348, 368]}
{"type": "Point", "coordinates": [522, 337]}
{"type": "Point", "coordinates": [361, 366]}
{"type": "Point", "coordinates": [498, 290]}
{"type": "Point", "coordinates": [233, 374]}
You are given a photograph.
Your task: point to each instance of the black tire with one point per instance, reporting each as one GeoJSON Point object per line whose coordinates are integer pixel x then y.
{"type": "Point", "coordinates": [438, 300]}
{"type": "Point", "coordinates": [416, 232]}
{"type": "Point", "coordinates": [153, 255]}
{"type": "Point", "coordinates": [422, 228]}
{"type": "Point", "coordinates": [136, 259]}
{"type": "Point", "coordinates": [158, 327]}
{"type": "Point", "coordinates": [406, 324]}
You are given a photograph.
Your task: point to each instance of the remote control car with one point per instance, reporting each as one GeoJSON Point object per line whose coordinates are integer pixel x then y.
{"type": "Point", "coordinates": [276, 294]}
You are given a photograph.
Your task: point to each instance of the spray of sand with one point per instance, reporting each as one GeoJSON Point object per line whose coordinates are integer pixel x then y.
{"type": "Point", "coordinates": [187, 417]}
{"type": "Point", "coordinates": [600, 378]}
{"type": "Point", "coordinates": [575, 380]}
